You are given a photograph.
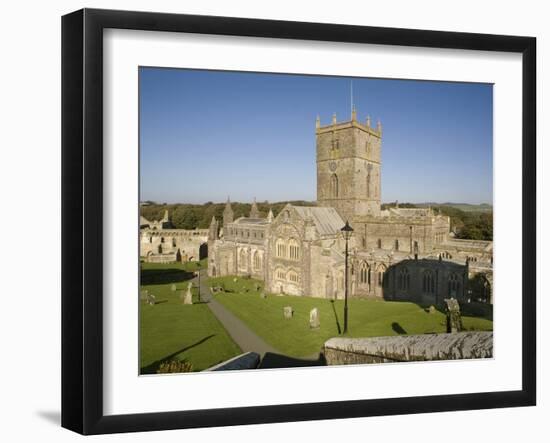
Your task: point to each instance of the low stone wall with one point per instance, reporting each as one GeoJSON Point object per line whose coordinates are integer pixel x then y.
{"type": "Point", "coordinates": [454, 346]}
{"type": "Point", "coordinates": [248, 360]}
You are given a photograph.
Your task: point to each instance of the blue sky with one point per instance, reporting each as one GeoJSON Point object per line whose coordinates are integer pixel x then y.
{"type": "Point", "coordinates": [205, 135]}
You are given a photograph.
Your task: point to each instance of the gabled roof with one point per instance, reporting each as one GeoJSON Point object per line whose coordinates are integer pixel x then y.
{"type": "Point", "coordinates": [326, 220]}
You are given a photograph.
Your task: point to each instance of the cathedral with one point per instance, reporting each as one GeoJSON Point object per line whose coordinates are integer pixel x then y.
{"type": "Point", "coordinates": [394, 254]}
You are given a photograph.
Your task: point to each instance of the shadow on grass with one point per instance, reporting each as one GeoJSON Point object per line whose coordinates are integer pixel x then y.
{"type": "Point", "coordinates": [153, 367]}
{"type": "Point", "coordinates": [272, 361]}
{"type": "Point", "coordinates": [160, 276]}
{"type": "Point", "coordinates": [397, 328]}
{"type": "Point", "coordinates": [336, 317]}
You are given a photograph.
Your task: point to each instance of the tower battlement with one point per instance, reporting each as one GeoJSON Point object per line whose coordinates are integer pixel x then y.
{"type": "Point", "coordinates": [353, 123]}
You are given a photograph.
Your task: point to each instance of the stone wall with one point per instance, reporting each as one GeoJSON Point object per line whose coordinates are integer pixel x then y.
{"type": "Point", "coordinates": [190, 243]}
{"type": "Point", "coordinates": [406, 348]}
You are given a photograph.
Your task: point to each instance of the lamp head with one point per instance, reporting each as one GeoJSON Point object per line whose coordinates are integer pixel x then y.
{"type": "Point", "coordinates": [347, 230]}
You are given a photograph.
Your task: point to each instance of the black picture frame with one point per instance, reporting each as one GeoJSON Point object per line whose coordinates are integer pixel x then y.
{"type": "Point", "coordinates": [82, 218]}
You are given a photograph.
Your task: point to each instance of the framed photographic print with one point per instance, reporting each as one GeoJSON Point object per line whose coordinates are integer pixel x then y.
{"type": "Point", "coordinates": [269, 221]}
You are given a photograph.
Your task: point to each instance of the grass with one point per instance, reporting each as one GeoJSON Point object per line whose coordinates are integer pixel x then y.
{"type": "Point", "coordinates": [189, 266]}
{"type": "Point", "coordinates": [170, 330]}
{"type": "Point", "coordinates": [293, 337]}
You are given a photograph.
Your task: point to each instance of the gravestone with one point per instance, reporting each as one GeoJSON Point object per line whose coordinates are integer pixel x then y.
{"type": "Point", "coordinates": [454, 321]}
{"type": "Point", "coordinates": [143, 295]}
{"type": "Point", "coordinates": [151, 299]}
{"type": "Point", "coordinates": [288, 312]}
{"type": "Point", "coordinates": [431, 309]}
{"type": "Point", "coordinates": [263, 295]}
{"type": "Point", "coordinates": [173, 287]}
{"type": "Point", "coordinates": [314, 322]}
{"type": "Point", "coordinates": [189, 295]}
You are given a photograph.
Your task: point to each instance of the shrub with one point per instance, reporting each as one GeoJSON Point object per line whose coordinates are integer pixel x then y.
{"type": "Point", "coordinates": [174, 367]}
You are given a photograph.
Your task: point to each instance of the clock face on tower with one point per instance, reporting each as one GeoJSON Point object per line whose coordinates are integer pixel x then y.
{"type": "Point", "coordinates": [332, 166]}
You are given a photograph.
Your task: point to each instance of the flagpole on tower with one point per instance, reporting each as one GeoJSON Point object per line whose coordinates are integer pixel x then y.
{"type": "Point", "coordinates": [351, 96]}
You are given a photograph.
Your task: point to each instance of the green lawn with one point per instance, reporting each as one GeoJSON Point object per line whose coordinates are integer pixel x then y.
{"type": "Point", "coordinates": [189, 266]}
{"type": "Point", "coordinates": [367, 317]}
{"type": "Point", "coordinates": [171, 330]}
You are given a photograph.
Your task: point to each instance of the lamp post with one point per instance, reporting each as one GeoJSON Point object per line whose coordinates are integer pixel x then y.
{"type": "Point", "coordinates": [347, 230]}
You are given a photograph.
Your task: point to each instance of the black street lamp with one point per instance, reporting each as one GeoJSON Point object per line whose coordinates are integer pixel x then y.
{"type": "Point", "coordinates": [347, 231]}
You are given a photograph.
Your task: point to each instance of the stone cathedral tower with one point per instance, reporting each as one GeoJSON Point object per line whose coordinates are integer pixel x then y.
{"type": "Point", "coordinates": [348, 166]}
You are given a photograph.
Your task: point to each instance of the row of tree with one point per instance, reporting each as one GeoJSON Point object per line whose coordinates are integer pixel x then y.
{"type": "Point", "coordinates": [189, 216]}
{"type": "Point", "coordinates": [465, 224]}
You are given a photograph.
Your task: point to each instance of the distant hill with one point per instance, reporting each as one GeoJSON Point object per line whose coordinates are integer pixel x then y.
{"type": "Point", "coordinates": [466, 207]}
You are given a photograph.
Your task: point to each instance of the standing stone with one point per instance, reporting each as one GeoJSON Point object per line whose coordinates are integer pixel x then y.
{"type": "Point", "coordinates": [314, 322]}
{"type": "Point", "coordinates": [173, 287]}
{"type": "Point", "coordinates": [189, 295]}
{"type": "Point", "coordinates": [288, 312]}
{"type": "Point", "coordinates": [454, 321]}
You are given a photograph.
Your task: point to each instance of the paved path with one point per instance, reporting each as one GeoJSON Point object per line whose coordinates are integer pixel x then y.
{"type": "Point", "coordinates": [245, 338]}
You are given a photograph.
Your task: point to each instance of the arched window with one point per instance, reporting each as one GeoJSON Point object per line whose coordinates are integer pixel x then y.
{"type": "Point", "coordinates": [243, 259]}
{"type": "Point", "coordinates": [174, 242]}
{"type": "Point", "coordinates": [280, 274]}
{"type": "Point", "coordinates": [428, 282]}
{"type": "Point", "coordinates": [280, 248]}
{"type": "Point", "coordinates": [294, 249]}
{"type": "Point", "coordinates": [363, 273]}
{"type": "Point", "coordinates": [160, 249]}
{"type": "Point", "coordinates": [369, 180]}
{"type": "Point", "coordinates": [292, 276]}
{"type": "Point", "coordinates": [404, 279]}
{"type": "Point", "coordinates": [454, 285]}
{"type": "Point", "coordinates": [257, 261]}
{"type": "Point", "coordinates": [396, 245]}
{"type": "Point", "coordinates": [379, 243]}
{"type": "Point", "coordinates": [334, 186]}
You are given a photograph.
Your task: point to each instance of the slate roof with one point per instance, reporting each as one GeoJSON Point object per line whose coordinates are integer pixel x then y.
{"type": "Point", "coordinates": [326, 220]}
